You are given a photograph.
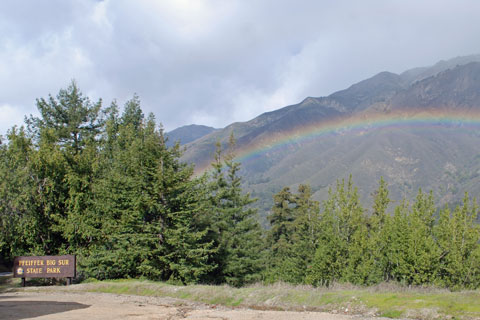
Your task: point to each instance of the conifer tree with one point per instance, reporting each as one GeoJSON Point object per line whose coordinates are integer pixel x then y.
{"type": "Point", "coordinates": [280, 236]}
{"type": "Point", "coordinates": [353, 235]}
{"type": "Point", "coordinates": [325, 267]}
{"type": "Point", "coordinates": [71, 117]}
{"type": "Point", "coordinates": [458, 237]}
{"type": "Point", "coordinates": [423, 250]}
{"type": "Point", "coordinates": [238, 233]}
{"type": "Point", "coordinates": [376, 261]}
{"type": "Point", "coordinates": [16, 192]}
{"type": "Point", "coordinates": [292, 238]}
{"type": "Point", "coordinates": [306, 228]}
{"type": "Point", "coordinates": [150, 207]}
{"type": "Point", "coordinates": [340, 245]}
{"type": "Point", "coordinates": [48, 167]}
{"type": "Point", "coordinates": [413, 252]}
{"type": "Point", "coordinates": [397, 235]}
{"type": "Point", "coordinates": [66, 135]}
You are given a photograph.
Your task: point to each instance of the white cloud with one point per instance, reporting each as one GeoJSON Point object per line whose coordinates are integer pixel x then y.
{"type": "Point", "coordinates": [214, 62]}
{"type": "Point", "coordinates": [10, 116]}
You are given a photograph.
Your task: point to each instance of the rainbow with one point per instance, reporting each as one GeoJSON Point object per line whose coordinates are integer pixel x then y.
{"type": "Point", "coordinates": [466, 119]}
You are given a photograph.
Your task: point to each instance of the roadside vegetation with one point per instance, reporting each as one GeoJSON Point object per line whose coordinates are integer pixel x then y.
{"type": "Point", "coordinates": [385, 300]}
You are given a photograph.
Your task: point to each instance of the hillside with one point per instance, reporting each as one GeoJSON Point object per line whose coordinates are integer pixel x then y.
{"type": "Point", "coordinates": [186, 134]}
{"type": "Point", "coordinates": [313, 142]}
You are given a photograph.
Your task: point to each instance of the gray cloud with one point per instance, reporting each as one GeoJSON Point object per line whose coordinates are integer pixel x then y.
{"type": "Point", "coordinates": [215, 62]}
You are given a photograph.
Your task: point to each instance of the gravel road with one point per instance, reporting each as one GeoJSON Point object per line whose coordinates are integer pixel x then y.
{"type": "Point", "coordinates": [85, 305]}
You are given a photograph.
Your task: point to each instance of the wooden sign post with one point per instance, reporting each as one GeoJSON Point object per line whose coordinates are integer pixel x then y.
{"type": "Point", "coordinates": [45, 267]}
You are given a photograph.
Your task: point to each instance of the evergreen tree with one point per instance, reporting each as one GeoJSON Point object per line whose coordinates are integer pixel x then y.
{"type": "Point", "coordinates": [353, 236]}
{"type": "Point", "coordinates": [279, 237]}
{"type": "Point", "coordinates": [236, 227]}
{"type": "Point", "coordinates": [423, 250]}
{"type": "Point", "coordinates": [306, 228]}
{"type": "Point", "coordinates": [413, 252]}
{"type": "Point", "coordinates": [397, 235]}
{"type": "Point", "coordinates": [325, 265]}
{"type": "Point", "coordinates": [16, 191]}
{"type": "Point", "coordinates": [71, 117]}
{"type": "Point", "coordinates": [65, 160]}
{"type": "Point", "coordinates": [292, 237]}
{"type": "Point", "coordinates": [376, 264]}
{"type": "Point", "coordinates": [458, 237]}
{"type": "Point", "coordinates": [150, 207]}
{"type": "Point", "coordinates": [341, 244]}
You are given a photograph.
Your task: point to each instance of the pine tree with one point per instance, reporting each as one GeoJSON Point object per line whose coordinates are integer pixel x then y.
{"type": "Point", "coordinates": [423, 250]}
{"type": "Point", "coordinates": [47, 167]}
{"type": "Point", "coordinates": [71, 117]}
{"type": "Point", "coordinates": [397, 243]}
{"type": "Point", "coordinates": [340, 246]}
{"type": "Point", "coordinates": [325, 267]}
{"type": "Point", "coordinates": [280, 261]}
{"type": "Point", "coordinates": [236, 227]}
{"type": "Point", "coordinates": [293, 234]}
{"type": "Point", "coordinates": [66, 135]}
{"type": "Point", "coordinates": [16, 189]}
{"type": "Point", "coordinates": [150, 207]}
{"type": "Point", "coordinates": [376, 263]}
{"type": "Point", "coordinates": [458, 237]}
{"type": "Point", "coordinates": [354, 236]}
{"type": "Point", "coordinates": [306, 228]}
{"type": "Point", "coordinates": [413, 252]}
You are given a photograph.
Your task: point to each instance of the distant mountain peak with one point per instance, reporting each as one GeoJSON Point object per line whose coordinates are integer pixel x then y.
{"type": "Point", "coordinates": [188, 133]}
{"type": "Point", "coordinates": [418, 74]}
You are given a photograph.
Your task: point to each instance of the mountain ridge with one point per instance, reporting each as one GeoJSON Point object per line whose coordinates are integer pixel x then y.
{"type": "Point", "coordinates": [403, 156]}
{"type": "Point", "coordinates": [188, 133]}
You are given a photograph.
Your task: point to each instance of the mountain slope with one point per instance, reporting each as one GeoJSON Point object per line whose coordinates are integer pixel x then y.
{"type": "Point", "coordinates": [187, 134]}
{"type": "Point", "coordinates": [290, 147]}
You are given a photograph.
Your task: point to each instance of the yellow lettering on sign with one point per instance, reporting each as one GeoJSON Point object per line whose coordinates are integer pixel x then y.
{"type": "Point", "coordinates": [31, 263]}
{"type": "Point", "coordinates": [51, 262]}
{"type": "Point", "coordinates": [53, 270]}
{"type": "Point", "coordinates": [38, 262]}
{"type": "Point", "coordinates": [34, 270]}
{"type": "Point", "coordinates": [63, 262]}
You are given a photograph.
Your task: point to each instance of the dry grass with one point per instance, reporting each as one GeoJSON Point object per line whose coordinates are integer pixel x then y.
{"type": "Point", "coordinates": [387, 299]}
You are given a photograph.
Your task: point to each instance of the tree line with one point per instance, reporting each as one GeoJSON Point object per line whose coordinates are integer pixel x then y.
{"type": "Point", "coordinates": [101, 183]}
{"type": "Point", "coordinates": [341, 241]}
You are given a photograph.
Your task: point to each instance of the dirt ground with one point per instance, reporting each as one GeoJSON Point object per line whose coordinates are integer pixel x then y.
{"type": "Point", "coordinates": [83, 305]}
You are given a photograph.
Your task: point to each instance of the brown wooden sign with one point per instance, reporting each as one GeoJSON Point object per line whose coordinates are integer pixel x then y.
{"type": "Point", "coordinates": [45, 267]}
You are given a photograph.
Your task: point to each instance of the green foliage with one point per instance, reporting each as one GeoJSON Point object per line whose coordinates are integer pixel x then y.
{"type": "Point", "coordinates": [342, 241]}
{"type": "Point", "coordinates": [458, 238]}
{"type": "Point", "coordinates": [236, 231]}
{"type": "Point", "coordinates": [105, 188]}
{"type": "Point", "coordinates": [293, 235]}
{"type": "Point", "coordinates": [149, 206]}
{"type": "Point", "coordinates": [279, 238]}
{"type": "Point", "coordinates": [15, 193]}
{"type": "Point", "coordinates": [411, 246]}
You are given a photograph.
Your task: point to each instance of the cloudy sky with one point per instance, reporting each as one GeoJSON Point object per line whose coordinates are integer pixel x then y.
{"type": "Point", "coordinates": [214, 62]}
